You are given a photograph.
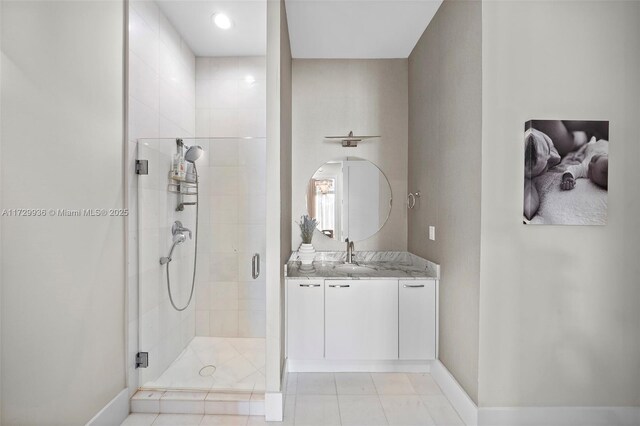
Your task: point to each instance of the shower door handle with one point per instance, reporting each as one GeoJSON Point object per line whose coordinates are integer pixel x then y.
{"type": "Point", "coordinates": [255, 266]}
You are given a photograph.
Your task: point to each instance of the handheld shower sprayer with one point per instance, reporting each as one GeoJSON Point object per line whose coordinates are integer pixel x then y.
{"type": "Point", "coordinates": [178, 238]}
{"type": "Point", "coordinates": [192, 154]}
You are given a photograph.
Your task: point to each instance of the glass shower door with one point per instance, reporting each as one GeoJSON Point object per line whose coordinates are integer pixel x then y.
{"type": "Point", "coordinates": [164, 332]}
{"type": "Point", "coordinates": [217, 342]}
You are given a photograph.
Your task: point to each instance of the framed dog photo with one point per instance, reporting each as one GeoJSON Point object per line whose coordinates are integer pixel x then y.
{"type": "Point", "coordinates": [566, 172]}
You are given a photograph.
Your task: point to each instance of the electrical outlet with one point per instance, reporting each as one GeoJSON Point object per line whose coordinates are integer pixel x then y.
{"type": "Point", "coordinates": [432, 233]}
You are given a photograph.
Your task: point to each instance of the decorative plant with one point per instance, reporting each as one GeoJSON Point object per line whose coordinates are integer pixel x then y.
{"type": "Point", "coordinates": [307, 227]}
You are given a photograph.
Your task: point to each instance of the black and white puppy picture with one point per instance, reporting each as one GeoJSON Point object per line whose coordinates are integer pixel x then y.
{"type": "Point", "coordinates": [566, 172]}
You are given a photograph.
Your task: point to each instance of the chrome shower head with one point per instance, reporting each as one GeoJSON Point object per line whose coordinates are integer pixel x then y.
{"type": "Point", "coordinates": [193, 153]}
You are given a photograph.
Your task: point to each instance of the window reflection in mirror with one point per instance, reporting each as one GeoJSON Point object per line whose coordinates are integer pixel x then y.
{"type": "Point", "coordinates": [350, 198]}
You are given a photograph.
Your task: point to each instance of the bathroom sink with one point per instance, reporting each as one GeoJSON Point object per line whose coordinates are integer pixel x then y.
{"type": "Point", "coordinates": [353, 268]}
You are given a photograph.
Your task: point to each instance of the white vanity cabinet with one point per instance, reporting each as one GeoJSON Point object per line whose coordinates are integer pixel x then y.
{"type": "Point", "coordinates": [417, 319]}
{"type": "Point", "coordinates": [380, 324]}
{"type": "Point", "coordinates": [305, 319]}
{"type": "Point", "coordinates": [361, 319]}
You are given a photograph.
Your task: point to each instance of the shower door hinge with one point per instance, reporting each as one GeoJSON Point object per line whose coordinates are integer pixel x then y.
{"type": "Point", "coordinates": [142, 167]}
{"type": "Point", "coordinates": [142, 359]}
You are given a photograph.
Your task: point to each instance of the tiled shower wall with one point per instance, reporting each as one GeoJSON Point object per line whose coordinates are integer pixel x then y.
{"type": "Point", "coordinates": [231, 97]}
{"type": "Point", "coordinates": [161, 104]}
{"type": "Point", "coordinates": [231, 101]}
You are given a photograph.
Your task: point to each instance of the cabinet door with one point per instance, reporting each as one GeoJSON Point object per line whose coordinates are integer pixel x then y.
{"type": "Point", "coordinates": [417, 319]}
{"type": "Point", "coordinates": [361, 319]}
{"type": "Point", "coordinates": [305, 319]}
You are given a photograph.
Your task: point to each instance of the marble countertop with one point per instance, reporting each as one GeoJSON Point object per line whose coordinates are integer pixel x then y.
{"type": "Point", "coordinates": [378, 264]}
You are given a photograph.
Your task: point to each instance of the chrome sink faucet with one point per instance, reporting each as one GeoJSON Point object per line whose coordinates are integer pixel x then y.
{"type": "Point", "coordinates": [350, 251]}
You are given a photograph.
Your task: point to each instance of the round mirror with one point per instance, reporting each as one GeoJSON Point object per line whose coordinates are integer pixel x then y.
{"type": "Point", "coordinates": [350, 198]}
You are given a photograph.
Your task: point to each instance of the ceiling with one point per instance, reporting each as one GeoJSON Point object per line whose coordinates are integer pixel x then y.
{"type": "Point", "coordinates": [317, 28]}
{"type": "Point", "coordinates": [192, 19]}
{"type": "Point", "coordinates": [357, 28]}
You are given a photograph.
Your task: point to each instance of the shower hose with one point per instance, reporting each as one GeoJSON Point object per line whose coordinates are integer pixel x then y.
{"type": "Point", "coordinates": [195, 256]}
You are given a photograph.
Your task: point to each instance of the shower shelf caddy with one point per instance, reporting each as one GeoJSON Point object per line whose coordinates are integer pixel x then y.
{"type": "Point", "coordinates": [182, 187]}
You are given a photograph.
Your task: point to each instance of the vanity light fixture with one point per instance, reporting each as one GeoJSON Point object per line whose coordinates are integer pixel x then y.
{"type": "Point", "coordinates": [222, 21]}
{"type": "Point", "coordinates": [350, 141]}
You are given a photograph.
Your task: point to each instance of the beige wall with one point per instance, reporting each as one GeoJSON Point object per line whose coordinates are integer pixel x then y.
{"type": "Point", "coordinates": [278, 184]}
{"type": "Point", "coordinates": [445, 119]}
{"type": "Point", "coordinates": [63, 277]}
{"type": "Point", "coordinates": [559, 315]}
{"type": "Point", "coordinates": [1, 204]}
{"type": "Point", "coordinates": [285, 161]}
{"type": "Point", "coordinates": [333, 96]}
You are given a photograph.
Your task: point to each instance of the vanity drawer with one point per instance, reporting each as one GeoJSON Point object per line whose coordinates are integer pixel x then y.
{"type": "Point", "coordinates": [361, 319]}
{"type": "Point", "coordinates": [305, 319]}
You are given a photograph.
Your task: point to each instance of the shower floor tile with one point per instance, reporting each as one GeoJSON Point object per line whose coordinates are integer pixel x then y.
{"type": "Point", "coordinates": [239, 365]}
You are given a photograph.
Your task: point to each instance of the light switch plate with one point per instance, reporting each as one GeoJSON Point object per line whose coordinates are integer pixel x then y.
{"type": "Point", "coordinates": [432, 233]}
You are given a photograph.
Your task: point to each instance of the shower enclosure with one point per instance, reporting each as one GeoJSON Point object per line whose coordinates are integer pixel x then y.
{"type": "Point", "coordinates": [217, 341]}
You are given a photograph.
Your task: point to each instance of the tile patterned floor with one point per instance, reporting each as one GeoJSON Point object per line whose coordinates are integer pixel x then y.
{"type": "Point", "coordinates": [239, 366]}
{"type": "Point", "coordinates": [349, 399]}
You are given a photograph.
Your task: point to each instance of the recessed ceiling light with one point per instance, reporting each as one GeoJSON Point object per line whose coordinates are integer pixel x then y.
{"type": "Point", "coordinates": [250, 79]}
{"type": "Point", "coordinates": [222, 21]}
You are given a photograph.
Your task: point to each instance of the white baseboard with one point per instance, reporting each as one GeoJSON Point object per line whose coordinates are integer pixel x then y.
{"type": "Point", "coordinates": [559, 416]}
{"type": "Point", "coordinates": [273, 406]}
{"type": "Point", "coordinates": [337, 366]}
{"type": "Point", "coordinates": [274, 401]}
{"type": "Point", "coordinates": [471, 415]}
{"type": "Point", "coordinates": [114, 412]}
{"type": "Point", "coordinates": [463, 404]}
